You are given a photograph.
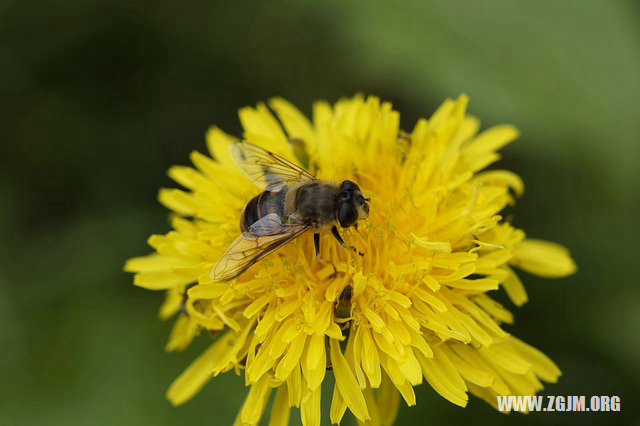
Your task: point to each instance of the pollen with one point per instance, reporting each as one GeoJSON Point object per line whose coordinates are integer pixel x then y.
{"type": "Point", "coordinates": [414, 310]}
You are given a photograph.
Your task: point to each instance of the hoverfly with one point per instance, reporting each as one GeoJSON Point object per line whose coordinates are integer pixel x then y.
{"type": "Point", "coordinates": [292, 202]}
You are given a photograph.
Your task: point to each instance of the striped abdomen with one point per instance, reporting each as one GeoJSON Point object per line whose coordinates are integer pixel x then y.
{"type": "Point", "coordinates": [261, 205]}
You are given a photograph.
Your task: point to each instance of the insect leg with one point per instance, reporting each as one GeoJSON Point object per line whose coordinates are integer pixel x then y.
{"type": "Point", "coordinates": [316, 244]}
{"type": "Point", "coordinates": [336, 234]}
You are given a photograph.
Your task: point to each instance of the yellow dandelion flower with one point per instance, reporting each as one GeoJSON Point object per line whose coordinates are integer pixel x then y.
{"type": "Point", "coordinates": [414, 308]}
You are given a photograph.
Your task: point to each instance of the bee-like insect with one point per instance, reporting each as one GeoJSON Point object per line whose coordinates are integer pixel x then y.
{"type": "Point", "coordinates": [292, 202]}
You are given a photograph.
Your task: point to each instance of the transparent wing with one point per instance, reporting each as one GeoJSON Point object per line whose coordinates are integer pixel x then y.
{"type": "Point", "coordinates": [271, 224]}
{"type": "Point", "coordinates": [267, 170]}
{"type": "Point", "coordinates": [262, 238]}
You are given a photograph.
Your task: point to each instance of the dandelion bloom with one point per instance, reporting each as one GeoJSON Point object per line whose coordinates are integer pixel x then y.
{"type": "Point", "coordinates": [434, 246]}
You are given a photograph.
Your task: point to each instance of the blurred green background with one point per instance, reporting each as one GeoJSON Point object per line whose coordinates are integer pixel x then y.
{"type": "Point", "coordinates": [99, 98]}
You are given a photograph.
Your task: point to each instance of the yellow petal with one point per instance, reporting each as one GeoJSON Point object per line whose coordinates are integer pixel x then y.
{"type": "Point", "coordinates": [291, 357]}
{"type": "Point", "coordinates": [347, 383]}
{"type": "Point", "coordinates": [543, 366]}
{"type": "Point", "coordinates": [190, 178]}
{"type": "Point", "coordinates": [159, 280]}
{"type": "Point", "coordinates": [514, 288]}
{"type": "Point", "coordinates": [338, 406]}
{"type": "Point", "coordinates": [441, 382]}
{"type": "Point", "coordinates": [255, 402]}
{"type": "Point", "coordinates": [315, 350]}
{"type": "Point", "coordinates": [430, 298]}
{"type": "Point", "coordinates": [280, 409]}
{"type": "Point", "coordinates": [198, 373]}
{"type": "Point", "coordinates": [256, 306]}
{"type": "Point", "coordinates": [172, 302]}
{"type": "Point", "coordinates": [495, 309]}
{"type": "Point", "coordinates": [310, 407]}
{"type": "Point", "coordinates": [376, 322]}
{"type": "Point", "coordinates": [296, 124]}
{"type": "Point", "coordinates": [156, 263]}
{"type": "Point", "coordinates": [491, 139]}
{"type": "Point", "coordinates": [353, 359]}
{"type": "Point", "coordinates": [314, 362]}
{"type": "Point", "coordinates": [500, 357]}
{"type": "Point", "coordinates": [543, 258]}
{"type": "Point", "coordinates": [179, 201]}
{"type": "Point", "coordinates": [407, 392]}
{"type": "Point", "coordinates": [262, 128]}
{"type": "Point", "coordinates": [261, 364]}
{"type": "Point", "coordinates": [372, 406]}
{"type": "Point", "coordinates": [369, 357]}
{"type": "Point", "coordinates": [278, 345]}
{"type": "Point", "coordinates": [388, 402]}
{"type": "Point", "coordinates": [183, 332]}
{"type": "Point", "coordinates": [265, 324]}
{"type": "Point", "coordinates": [467, 370]}
{"type": "Point", "coordinates": [294, 387]}
{"type": "Point", "coordinates": [359, 284]}
{"type": "Point", "coordinates": [410, 367]}
{"type": "Point", "coordinates": [502, 178]}
{"type": "Point", "coordinates": [443, 246]}
{"type": "Point", "coordinates": [208, 291]}
{"type": "Point", "coordinates": [217, 143]}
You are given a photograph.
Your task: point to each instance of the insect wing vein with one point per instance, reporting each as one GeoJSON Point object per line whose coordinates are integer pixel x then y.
{"type": "Point", "coordinates": [248, 248]}
{"type": "Point", "coordinates": [265, 169]}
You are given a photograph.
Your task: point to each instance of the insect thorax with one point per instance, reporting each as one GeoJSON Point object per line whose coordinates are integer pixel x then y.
{"type": "Point", "coordinates": [316, 202]}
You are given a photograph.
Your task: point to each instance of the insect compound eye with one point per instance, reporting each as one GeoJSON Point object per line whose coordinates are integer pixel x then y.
{"type": "Point", "coordinates": [345, 196]}
{"type": "Point", "coordinates": [347, 185]}
{"type": "Point", "coordinates": [347, 215]}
